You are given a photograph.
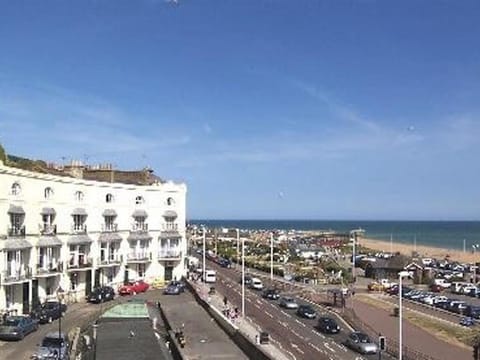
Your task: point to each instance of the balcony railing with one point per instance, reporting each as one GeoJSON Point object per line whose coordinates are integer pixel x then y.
{"type": "Point", "coordinates": [140, 227]}
{"type": "Point", "coordinates": [79, 228]}
{"type": "Point", "coordinates": [170, 227]}
{"type": "Point", "coordinates": [110, 227]}
{"type": "Point", "coordinates": [139, 256]}
{"type": "Point", "coordinates": [54, 266]}
{"type": "Point", "coordinates": [15, 275]}
{"type": "Point", "coordinates": [48, 229]}
{"type": "Point", "coordinates": [80, 263]}
{"type": "Point", "coordinates": [17, 231]}
{"type": "Point", "coordinates": [169, 253]}
{"type": "Point", "coordinates": [112, 259]}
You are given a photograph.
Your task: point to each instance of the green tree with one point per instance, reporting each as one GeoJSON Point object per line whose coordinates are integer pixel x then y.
{"type": "Point", "coordinates": [3, 155]}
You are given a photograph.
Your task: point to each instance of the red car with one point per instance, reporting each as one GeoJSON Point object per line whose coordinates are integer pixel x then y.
{"type": "Point", "coordinates": [133, 287]}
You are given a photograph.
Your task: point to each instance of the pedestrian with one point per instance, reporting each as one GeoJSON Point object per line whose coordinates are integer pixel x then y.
{"type": "Point", "coordinates": [225, 301]}
{"type": "Point", "coordinates": [257, 339]}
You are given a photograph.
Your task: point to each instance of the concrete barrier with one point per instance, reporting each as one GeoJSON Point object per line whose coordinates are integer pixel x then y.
{"type": "Point", "coordinates": [241, 340]}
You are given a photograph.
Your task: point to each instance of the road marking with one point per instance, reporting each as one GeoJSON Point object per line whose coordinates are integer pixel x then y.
{"type": "Point", "coordinates": [319, 334]}
{"type": "Point", "coordinates": [328, 347]}
{"type": "Point", "coordinates": [286, 314]}
{"type": "Point", "coordinates": [268, 314]}
{"type": "Point", "coordinates": [341, 347]}
{"type": "Point", "coordinates": [284, 324]}
{"type": "Point", "coordinates": [301, 323]}
{"type": "Point", "coordinates": [315, 347]}
{"type": "Point", "coordinates": [295, 346]}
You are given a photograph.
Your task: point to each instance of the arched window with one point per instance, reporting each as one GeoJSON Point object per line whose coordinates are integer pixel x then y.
{"type": "Point", "coordinates": [139, 200]}
{"type": "Point", "coordinates": [48, 193]}
{"type": "Point", "coordinates": [16, 189]}
{"type": "Point", "coordinates": [79, 196]}
{"type": "Point", "coordinates": [109, 198]}
{"type": "Point", "coordinates": [170, 201]}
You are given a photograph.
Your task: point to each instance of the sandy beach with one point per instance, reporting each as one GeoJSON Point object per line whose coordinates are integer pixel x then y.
{"type": "Point", "coordinates": [425, 251]}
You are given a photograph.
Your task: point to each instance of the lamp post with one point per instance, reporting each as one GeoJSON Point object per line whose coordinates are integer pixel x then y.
{"type": "Point", "coordinates": [354, 238]}
{"type": "Point", "coordinates": [95, 326]}
{"type": "Point", "coordinates": [243, 277]}
{"type": "Point", "coordinates": [401, 275]}
{"type": "Point", "coordinates": [238, 245]}
{"type": "Point", "coordinates": [59, 297]}
{"type": "Point", "coordinates": [203, 266]}
{"type": "Point", "coordinates": [271, 256]}
{"type": "Point", "coordinates": [475, 247]}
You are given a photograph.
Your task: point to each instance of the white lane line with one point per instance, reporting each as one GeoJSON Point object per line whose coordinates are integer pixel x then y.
{"type": "Point", "coordinates": [286, 314]}
{"type": "Point", "coordinates": [328, 347]}
{"type": "Point", "coordinates": [315, 347]}
{"type": "Point", "coordinates": [299, 322]}
{"type": "Point", "coordinates": [295, 346]}
{"type": "Point", "coordinates": [273, 305]}
{"type": "Point", "coordinates": [268, 314]}
{"type": "Point", "coordinates": [319, 334]}
{"type": "Point", "coordinates": [340, 346]}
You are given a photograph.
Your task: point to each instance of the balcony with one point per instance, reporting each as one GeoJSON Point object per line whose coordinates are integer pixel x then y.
{"type": "Point", "coordinates": [79, 263]}
{"type": "Point", "coordinates": [170, 226]}
{"type": "Point", "coordinates": [139, 256]}
{"type": "Point", "coordinates": [79, 228]}
{"type": "Point", "coordinates": [19, 275]}
{"type": "Point", "coordinates": [16, 231]}
{"type": "Point", "coordinates": [48, 229]}
{"type": "Point", "coordinates": [110, 227]}
{"type": "Point", "coordinates": [139, 227]}
{"type": "Point", "coordinates": [112, 260]}
{"type": "Point", "coordinates": [49, 268]}
{"type": "Point", "coordinates": [169, 254]}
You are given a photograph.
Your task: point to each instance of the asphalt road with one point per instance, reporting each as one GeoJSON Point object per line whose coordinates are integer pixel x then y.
{"type": "Point", "coordinates": [20, 350]}
{"type": "Point", "coordinates": [295, 335]}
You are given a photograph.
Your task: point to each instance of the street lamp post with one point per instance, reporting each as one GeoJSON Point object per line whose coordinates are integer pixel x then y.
{"type": "Point", "coordinates": [401, 275]}
{"type": "Point", "coordinates": [475, 247]}
{"type": "Point", "coordinates": [238, 245]}
{"type": "Point", "coordinates": [203, 269]}
{"type": "Point", "coordinates": [354, 238]}
{"type": "Point", "coordinates": [243, 277]}
{"type": "Point", "coordinates": [59, 297]}
{"type": "Point", "coordinates": [271, 256]}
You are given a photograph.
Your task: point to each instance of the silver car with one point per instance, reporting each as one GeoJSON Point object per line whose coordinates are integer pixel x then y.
{"type": "Point", "coordinates": [288, 303]}
{"type": "Point", "coordinates": [361, 343]}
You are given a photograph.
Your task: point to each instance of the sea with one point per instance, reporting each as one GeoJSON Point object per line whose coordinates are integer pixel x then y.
{"type": "Point", "coordinates": [443, 234]}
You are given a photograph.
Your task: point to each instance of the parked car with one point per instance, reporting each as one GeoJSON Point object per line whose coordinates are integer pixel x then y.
{"type": "Point", "coordinates": [49, 311]}
{"type": "Point", "coordinates": [328, 325]}
{"type": "Point", "coordinates": [226, 263]}
{"type": "Point", "coordinates": [271, 294]}
{"type": "Point", "coordinates": [458, 307]}
{"type": "Point", "coordinates": [256, 284]}
{"type": "Point", "coordinates": [248, 280]}
{"type": "Point", "coordinates": [17, 327]}
{"type": "Point", "coordinates": [101, 294]}
{"type": "Point", "coordinates": [288, 303]}
{"type": "Point", "coordinates": [361, 343]}
{"type": "Point", "coordinates": [173, 289]}
{"type": "Point", "coordinates": [53, 346]}
{"type": "Point", "coordinates": [467, 321]}
{"type": "Point", "coordinates": [306, 311]}
{"type": "Point", "coordinates": [472, 311]}
{"type": "Point", "coordinates": [133, 287]}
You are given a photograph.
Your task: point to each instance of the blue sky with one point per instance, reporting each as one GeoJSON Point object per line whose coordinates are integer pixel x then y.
{"type": "Point", "coordinates": [266, 109]}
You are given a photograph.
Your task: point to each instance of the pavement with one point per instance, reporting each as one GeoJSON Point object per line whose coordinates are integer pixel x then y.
{"type": "Point", "coordinates": [245, 325]}
{"type": "Point", "coordinates": [204, 338]}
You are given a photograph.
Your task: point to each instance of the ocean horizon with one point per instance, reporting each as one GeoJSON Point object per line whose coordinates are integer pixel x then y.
{"type": "Point", "coordinates": [443, 234]}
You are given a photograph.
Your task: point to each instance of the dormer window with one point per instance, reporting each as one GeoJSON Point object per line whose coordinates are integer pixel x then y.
{"type": "Point", "coordinates": [170, 201]}
{"type": "Point", "coordinates": [108, 198]}
{"type": "Point", "coordinates": [48, 193]}
{"type": "Point", "coordinates": [139, 200]}
{"type": "Point", "coordinates": [79, 196]}
{"type": "Point", "coordinates": [15, 189]}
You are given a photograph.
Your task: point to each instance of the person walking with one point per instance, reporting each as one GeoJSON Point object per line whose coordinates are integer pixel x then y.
{"type": "Point", "coordinates": [225, 301]}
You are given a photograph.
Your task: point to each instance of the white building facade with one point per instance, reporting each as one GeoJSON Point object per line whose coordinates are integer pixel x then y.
{"type": "Point", "coordinates": [60, 233]}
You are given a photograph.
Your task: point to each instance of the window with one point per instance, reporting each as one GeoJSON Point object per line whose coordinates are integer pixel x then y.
{"type": "Point", "coordinates": [139, 200]}
{"type": "Point", "coordinates": [79, 196]}
{"type": "Point", "coordinates": [170, 201]}
{"type": "Point", "coordinates": [16, 189]}
{"type": "Point", "coordinates": [73, 281]}
{"type": "Point", "coordinates": [141, 270]}
{"type": "Point", "coordinates": [109, 198]}
{"type": "Point", "coordinates": [48, 193]}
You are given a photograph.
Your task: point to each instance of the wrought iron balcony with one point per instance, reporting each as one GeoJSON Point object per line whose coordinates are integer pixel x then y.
{"type": "Point", "coordinates": [52, 267]}
{"type": "Point", "coordinates": [139, 227]}
{"type": "Point", "coordinates": [18, 274]}
{"type": "Point", "coordinates": [79, 228]}
{"type": "Point", "coordinates": [113, 227]}
{"type": "Point", "coordinates": [113, 259]}
{"type": "Point", "coordinates": [80, 262]}
{"type": "Point", "coordinates": [170, 226]}
{"type": "Point", "coordinates": [48, 229]}
{"type": "Point", "coordinates": [16, 231]}
{"type": "Point", "coordinates": [139, 256]}
{"type": "Point", "coordinates": [169, 253]}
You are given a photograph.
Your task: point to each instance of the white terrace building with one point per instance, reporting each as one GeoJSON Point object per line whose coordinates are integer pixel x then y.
{"type": "Point", "coordinates": [70, 233]}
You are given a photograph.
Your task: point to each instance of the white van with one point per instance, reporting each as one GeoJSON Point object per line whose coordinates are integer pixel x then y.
{"type": "Point", "coordinates": [210, 276]}
{"type": "Point", "coordinates": [456, 286]}
{"type": "Point", "coordinates": [256, 284]}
